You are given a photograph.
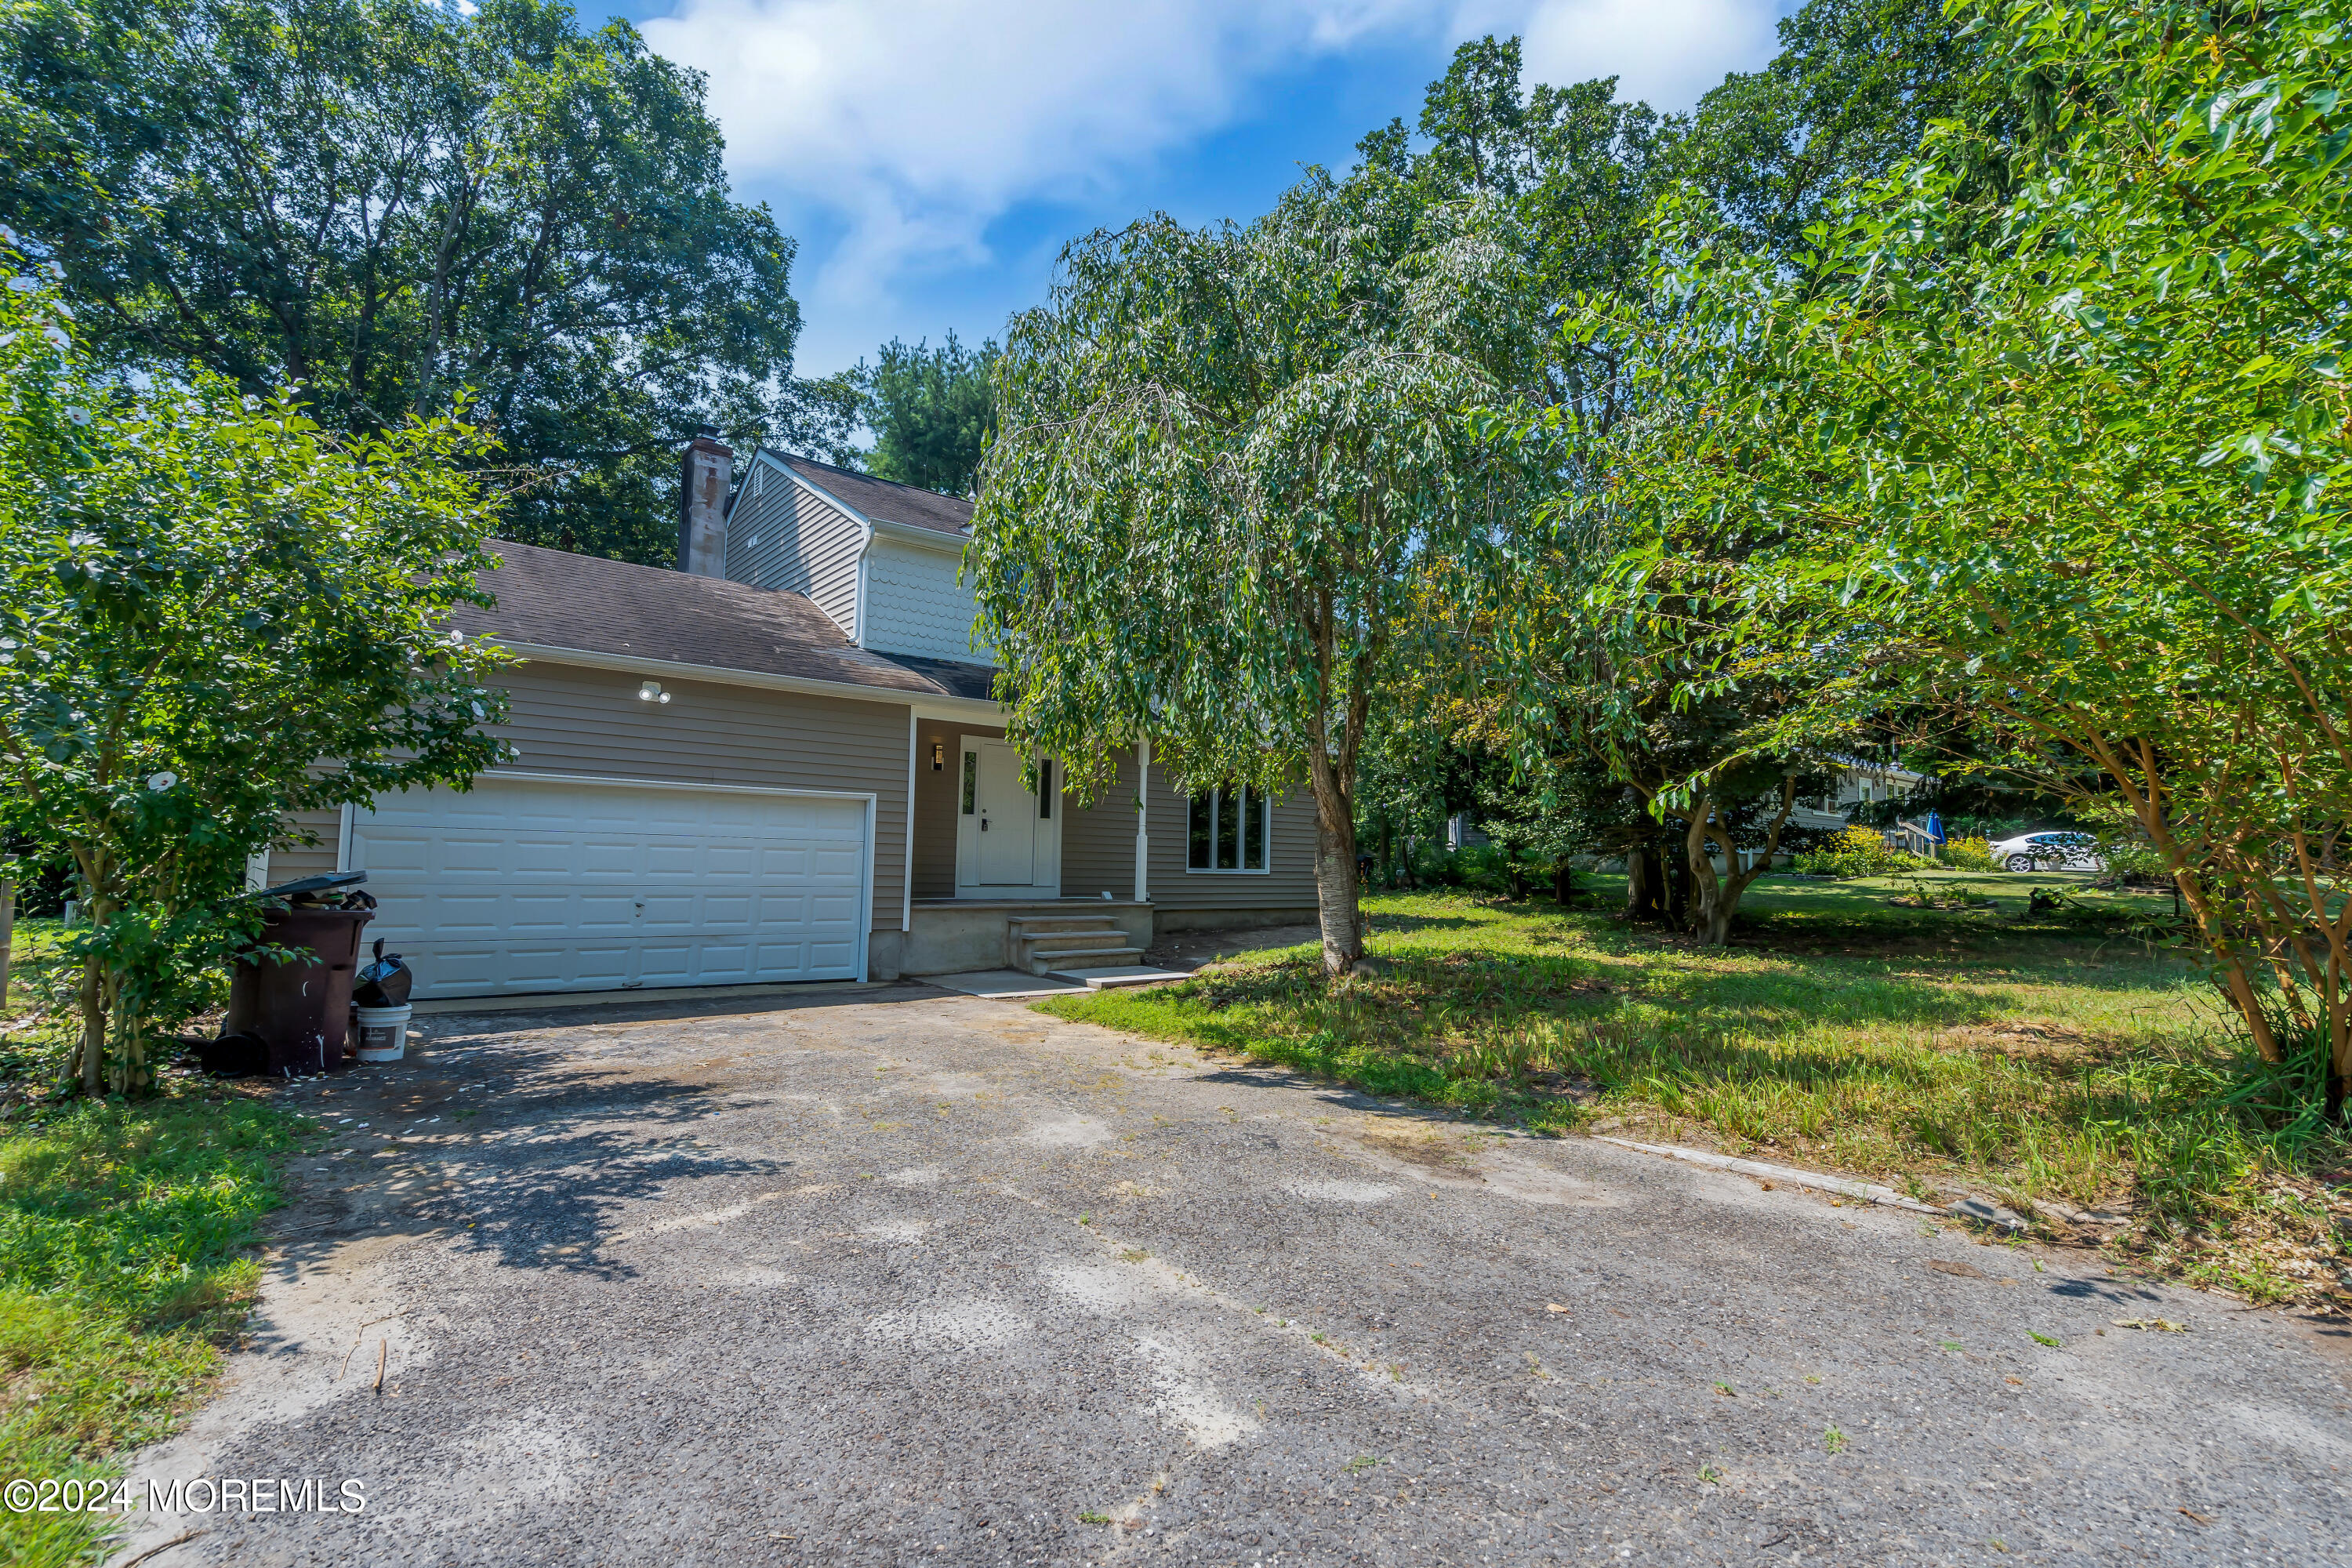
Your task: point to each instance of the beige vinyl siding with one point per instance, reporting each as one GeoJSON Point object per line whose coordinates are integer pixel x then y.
{"type": "Point", "coordinates": [308, 859]}
{"type": "Point", "coordinates": [569, 719]}
{"type": "Point", "coordinates": [781, 534]}
{"type": "Point", "coordinates": [1287, 882]}
{"type": "Point", "coordinates": [1099, 840]}
{"type": "Point", "coordinates": [1098, 852]}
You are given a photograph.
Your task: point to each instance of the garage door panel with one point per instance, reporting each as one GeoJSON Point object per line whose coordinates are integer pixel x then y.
{"type": "Point", "coordinates": [672, 909]}
{"type": "Point", "coordinates": [724, 963]}
{"type": "Point", "coordinates": [529, 884]}
{"type": "Point", "coordinates": [403, 852]}
{"type": "Point", "coordinates": [604, 856]}
{"type": "Point", "coordinates": [665, 964]}
{"type": "Point", "coordinates": [456, 913]}
{"type": "Point", "coordinates": [672, 861]}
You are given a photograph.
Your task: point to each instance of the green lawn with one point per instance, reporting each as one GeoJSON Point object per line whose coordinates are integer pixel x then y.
{"type": "Point", "coordinates": [126, 1238]}
{"type": "Point", "coordinates": [2053, 1053]}
{"type": "Point", "coordinates": [32, 951]}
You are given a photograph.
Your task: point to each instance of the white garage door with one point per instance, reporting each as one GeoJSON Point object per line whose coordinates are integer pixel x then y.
{"type": "Point", "coordinates": [533, 885]}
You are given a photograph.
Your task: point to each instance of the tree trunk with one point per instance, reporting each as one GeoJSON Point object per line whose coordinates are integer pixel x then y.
{"type": "Point", "coordinates": [1710, 911]}
{"type": "Point", "coordinates": [1563, 883]}
{"type": "Point", "coordinates": [1335, 886]}
{"type": "Point", "coordinates": [93, 1028]}
{"type": "Point", "coordinates": [1647, 895]}
{"type": "Point", "coordinates": [1718, 894]}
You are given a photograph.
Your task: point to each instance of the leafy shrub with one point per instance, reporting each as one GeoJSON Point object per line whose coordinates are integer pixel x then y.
{"type": "Point", "coordinates": [2136, 863]}
{"type": "Point", "coordinates": [1856, 852]}
{"type": "Point", "coordinates": [1968, 854]}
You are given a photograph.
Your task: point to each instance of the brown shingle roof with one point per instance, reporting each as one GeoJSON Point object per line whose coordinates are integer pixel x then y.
{"type": "Point", "coordinates": [884, 500]}
{"type": "Point", "coordinates": [954, 677]}
{"type": "Point", "coordinates": [557, 599]}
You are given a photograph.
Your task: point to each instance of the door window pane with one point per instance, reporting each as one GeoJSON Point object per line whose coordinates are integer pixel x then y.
{"type": "Point", "coordinates": [1046, 789]}
{"type": "Point", "coordinates": [970, 779]}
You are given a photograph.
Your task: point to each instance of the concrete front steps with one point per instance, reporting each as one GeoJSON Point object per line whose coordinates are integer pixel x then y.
{"type": "Point", "coordinates": [1080, 950]}
{"type": "Point", "coordinates": [1038, 944]}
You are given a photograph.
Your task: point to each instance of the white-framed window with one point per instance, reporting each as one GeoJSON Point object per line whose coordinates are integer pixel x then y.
{"type": "Point", "coordinates": [1230, 829]}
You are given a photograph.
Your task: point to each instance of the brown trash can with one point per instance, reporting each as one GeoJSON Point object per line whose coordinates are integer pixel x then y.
{"type": "Point", "coordinates": [301, 1010]}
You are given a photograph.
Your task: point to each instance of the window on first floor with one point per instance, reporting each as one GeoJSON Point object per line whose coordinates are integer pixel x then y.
{"type": "Point", "coordinates": [1230, 830]}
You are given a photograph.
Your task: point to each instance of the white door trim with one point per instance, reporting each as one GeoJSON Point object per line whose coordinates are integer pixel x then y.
{"type": "Point", "coordinates": [1045, 854]}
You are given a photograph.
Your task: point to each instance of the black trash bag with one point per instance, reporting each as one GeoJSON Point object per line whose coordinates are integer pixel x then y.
{"type": "Point", "coordinates": [383, 984]}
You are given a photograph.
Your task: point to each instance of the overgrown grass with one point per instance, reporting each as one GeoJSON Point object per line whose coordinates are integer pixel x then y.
{"type": "Point", "coordinates": [124, 1263]}
{"type": "Point", "coordinates": [2051, 1055]}
{"type": "Point", "coordinates": [33, 952]}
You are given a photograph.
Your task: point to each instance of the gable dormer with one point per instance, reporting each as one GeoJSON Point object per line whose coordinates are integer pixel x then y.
{"type": "Point", "coordinates": [881, 558]}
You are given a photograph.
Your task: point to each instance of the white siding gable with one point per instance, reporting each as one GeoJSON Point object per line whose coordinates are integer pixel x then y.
{"type": "Point", "coordinates": [781, 534]}
{"type": "Point", "coordinates": [914, 604]}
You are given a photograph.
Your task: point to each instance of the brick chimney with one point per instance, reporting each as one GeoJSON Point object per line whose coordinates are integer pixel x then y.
{"type": "Point", "coordinates": [704, 474]}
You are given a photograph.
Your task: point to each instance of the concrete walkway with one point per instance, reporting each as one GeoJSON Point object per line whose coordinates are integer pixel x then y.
{"type": "Point", "coordinates": [896, 1277]}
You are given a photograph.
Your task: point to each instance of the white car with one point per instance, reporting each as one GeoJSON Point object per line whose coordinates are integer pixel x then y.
{"type": "Point", "coordinates": [2053, 851]}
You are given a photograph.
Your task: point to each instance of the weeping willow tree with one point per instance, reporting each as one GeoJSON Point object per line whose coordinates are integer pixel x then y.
{"type": "Point", "coordinates": [1234, 490]}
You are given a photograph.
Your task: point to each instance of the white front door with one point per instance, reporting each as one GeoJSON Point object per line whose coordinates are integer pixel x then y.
{"type": "Point", "coordinates": [1008, 835]}
{"type": "Point", "coordinates": [1007, 828]}
{"type": "Point", "coordinates": [527, 885]}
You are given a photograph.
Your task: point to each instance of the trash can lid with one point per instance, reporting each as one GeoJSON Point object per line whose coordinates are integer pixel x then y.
{"type": "Point", "coordinates": [318, 884]}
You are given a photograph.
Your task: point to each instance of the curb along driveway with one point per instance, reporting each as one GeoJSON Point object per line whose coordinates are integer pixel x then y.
{"type": "Point", "coordinates": [894, 1277]}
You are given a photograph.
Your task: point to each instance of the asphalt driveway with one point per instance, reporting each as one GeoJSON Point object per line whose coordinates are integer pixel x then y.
{"type": "Point", "coordinates": [892, 1277]}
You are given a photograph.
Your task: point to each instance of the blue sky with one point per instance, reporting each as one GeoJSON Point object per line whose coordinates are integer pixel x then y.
{"type": "Point", "coordinates": [931, 156]}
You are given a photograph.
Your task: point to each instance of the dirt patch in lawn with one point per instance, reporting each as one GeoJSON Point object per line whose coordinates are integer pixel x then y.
{"type": "Point", "coordinates": [2022, 1039]}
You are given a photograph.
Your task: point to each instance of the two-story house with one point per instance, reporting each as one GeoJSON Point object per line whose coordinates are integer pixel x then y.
{"type": "Point", "coordinates": [781, 761]}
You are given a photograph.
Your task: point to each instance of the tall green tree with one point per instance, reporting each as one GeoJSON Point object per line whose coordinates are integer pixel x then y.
{"type": "Point", "coordinates": [1575, 168]}
{"type": "Point", "coordinates": [1233, 486]}
{"type": "Point", "coordinates": [932, 411]}
{"type": "Point", "coordinates": [383, 204]}
{"type": "Point", "coordinates": [204, 595]}
{"type": "Point", "coordinates": [2073, 467]}
{"type": "Point", "coordinates": [1849, 96]}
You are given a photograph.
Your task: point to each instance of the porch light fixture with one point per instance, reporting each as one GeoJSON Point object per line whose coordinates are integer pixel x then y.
{"type": "Point", "coordinates": [939, 756]}
{"type": "Point", "coordinates": [651, 691]}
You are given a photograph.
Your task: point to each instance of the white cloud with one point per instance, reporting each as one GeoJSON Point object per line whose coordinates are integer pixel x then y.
{"type": "Point", "coordinates": [921, 121]}
{"type": "Point", "coordinates": [915, 124]}
{"type": "Point", "coordinates": [1665, 51]}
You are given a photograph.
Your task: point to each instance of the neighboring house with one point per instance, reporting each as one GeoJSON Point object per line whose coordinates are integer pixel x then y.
{"type": "Point", "coordinates": [782, 763]}
{"type": "Point", "coordinates": [1855, 783]}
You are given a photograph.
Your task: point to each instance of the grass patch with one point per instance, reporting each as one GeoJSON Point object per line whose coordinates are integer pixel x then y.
{"type": "Point", "coordinates": [2047, 1054]}
{"type": "Point", "coordinates": [125, 1233]}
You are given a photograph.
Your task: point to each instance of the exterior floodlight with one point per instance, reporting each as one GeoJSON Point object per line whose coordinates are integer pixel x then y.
{"type": "Point", "coordinates": [651, 691]}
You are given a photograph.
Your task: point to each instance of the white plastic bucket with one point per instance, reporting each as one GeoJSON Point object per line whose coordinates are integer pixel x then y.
{"type": "Point", "coordinates": [383, 1033]}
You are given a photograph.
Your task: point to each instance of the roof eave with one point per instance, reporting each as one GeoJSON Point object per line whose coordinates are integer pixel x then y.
{"type": "Point", "coordinates": [722, 675]}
